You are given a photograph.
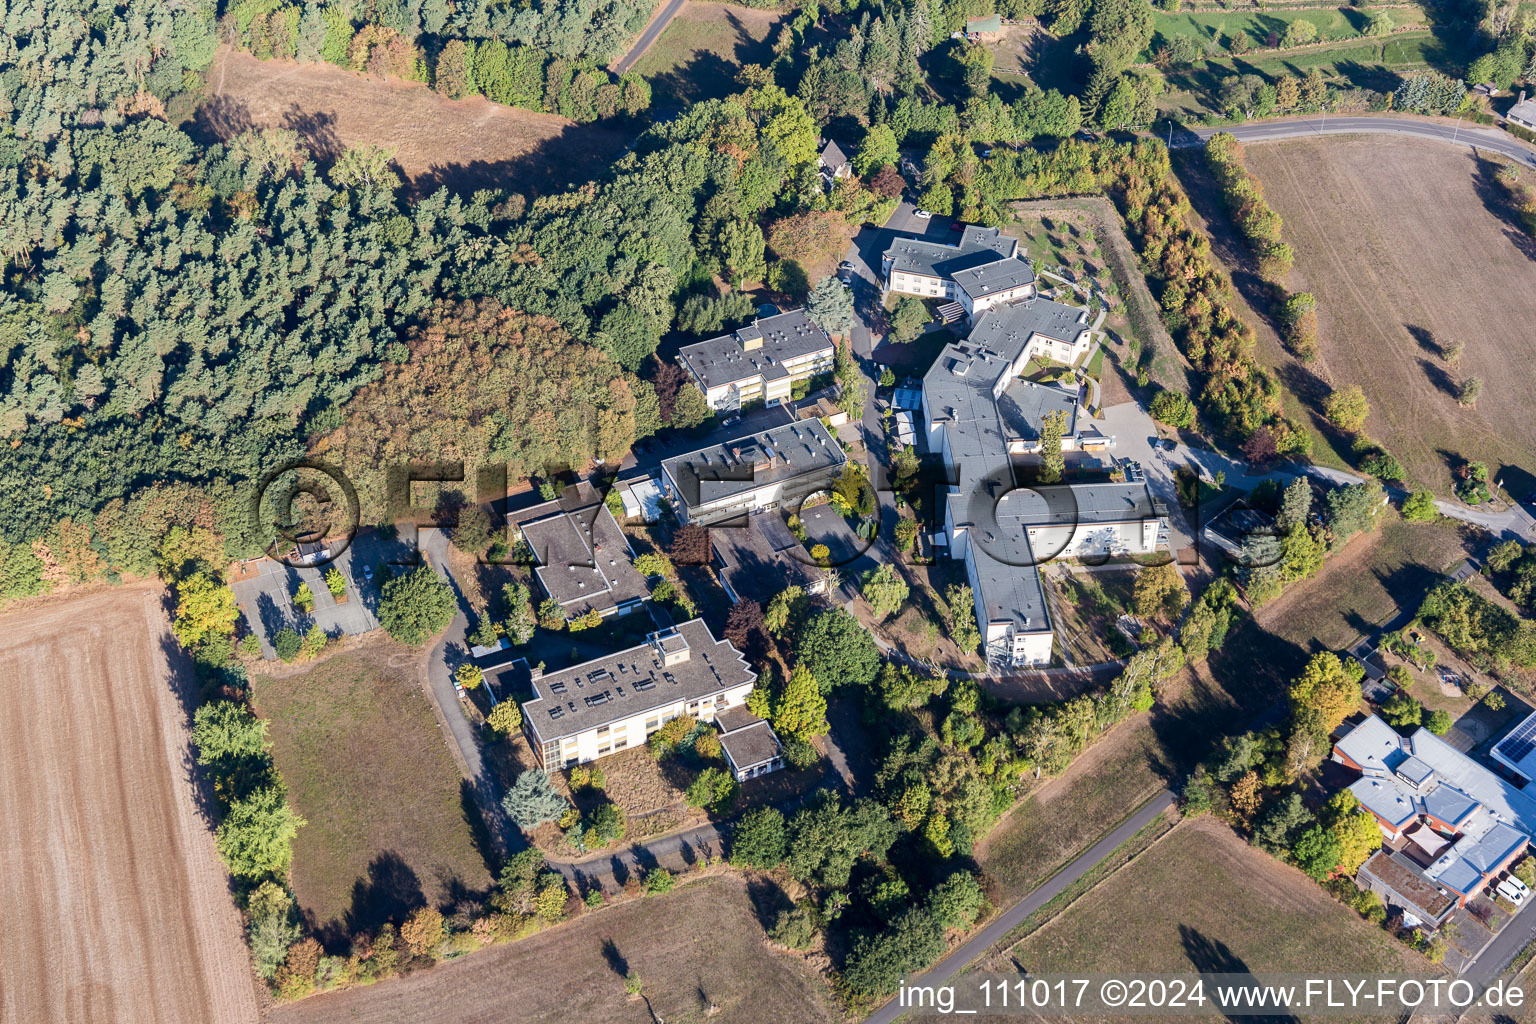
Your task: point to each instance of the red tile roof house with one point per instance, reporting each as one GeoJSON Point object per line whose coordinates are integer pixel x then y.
{"type": "Point", "coordinates": [1466, 825]}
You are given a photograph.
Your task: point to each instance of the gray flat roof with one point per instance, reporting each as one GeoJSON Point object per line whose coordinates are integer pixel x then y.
{"type": "Point", "coordinates": [634, 681]}
{"type": "Point", "coordinates": [1240, 521]}
{"type": "Point", "coordinates": [1024, 405]}
{"type": "Point", "coordinates": [1007, 563]}
{"type": "Point", "coordinates": [996, 276]}
{"type": "Point", "coordinates": [752, 745]}
{"type": "Point", "coordinates": [755, 460]}
{"type": "Point", "coordinates": [584, 558]}
{"type": "Point", "coordinates": [978, 246]}
{"type": "Point", "coordinates": [756, 557]}
{"type": "Point", "coordinates": [725, 360]}
{"type": "Point", "coordinates": [958, 387]}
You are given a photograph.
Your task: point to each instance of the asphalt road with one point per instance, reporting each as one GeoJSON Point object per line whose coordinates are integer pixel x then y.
{"type": "Point", "coordinates": [1011, 918]}
{"type": "Point", "coordinates": [652, 33]}
{"type": "Point", "coordinates": [1471, 136]}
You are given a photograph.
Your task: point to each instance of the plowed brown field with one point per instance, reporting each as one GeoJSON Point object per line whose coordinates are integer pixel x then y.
{"type": "Point", "coordinates": [696, 947]}
{"type": "Point", "coordinates": [113, 902]}
{"type": "Point", "coordinates": [1408, 247]}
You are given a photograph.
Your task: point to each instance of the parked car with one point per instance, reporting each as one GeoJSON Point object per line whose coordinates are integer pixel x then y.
{"type": "Point", "coordinates": [730, 421]}
{"type": "Point", "coordinates": [368, 572]}
{"type": "Point", "coordinates": [1514, 890]}
{"type": "Point", "coordinates": [955, 225]}
{"type": "Point", "coordinates": [921, 214]}
{"type": "Point", "coordinates": [1168, 444]}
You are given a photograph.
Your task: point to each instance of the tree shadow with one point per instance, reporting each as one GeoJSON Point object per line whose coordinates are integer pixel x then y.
{"type": "Point", "coordinates": [1438, 376]}
{"type": "Point", "coordinates": [1212, 956]}
{"type": "Point", "coordinates": [576, 155]}
{"type": "Point", "coordinates": [768, 899]}
{"type": "Point", "coordinates": [1496, 200]}
{"type": "Point", "coordinates": [219, 119]}
{"type": "Point", "coordinates": [1426, 339]}
{"type": "Point", "coordinates": [390, 892]}
{"type": "Point", "coordinates": [317, 130]}
{"type": "Point", "coordinates": [614, 959]}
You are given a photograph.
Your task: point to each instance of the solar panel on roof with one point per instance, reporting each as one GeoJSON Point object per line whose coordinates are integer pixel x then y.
{"type": "Point", "coordinates": [1520, 742]}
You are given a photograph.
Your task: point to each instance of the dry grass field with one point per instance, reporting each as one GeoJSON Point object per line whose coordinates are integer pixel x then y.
{"type": "Point", "coordinates": [1203, 900]}
{"type": "Point", "coordinates": [116, 906]}
{"type": "Point", "coordinates": [698, 55]}
{"type": "Point", "coordinates": [1405, 246]}
{"type": "Point", "coordinates": [698, 946]}
{"type": "Point", "coordinates": [466, 144]}
{"type": "Point", "coordinates": [357, 743]}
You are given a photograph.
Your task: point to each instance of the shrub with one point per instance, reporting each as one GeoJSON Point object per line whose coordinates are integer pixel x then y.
{"type": "Point", "coordinates": [706, 745]}
{"type": "Point", "coordinates": [799, 753]}
{"type": "Point", "coordinates": [272, 927]}
{"type": "Point", "coordinates": [665, 741]}
{"type": "Point", "coordinates": [604, 825]}
{"type": "Point", "coordinates": [423, 931]}
{"type": "Point", "coordinates": [659, 880]}
{"type": "Point", "coordinates": [957, 900]}
{"type": "Point", "coordinates": [416, 605]}
{"type": "Point", "coordinates": [505, 718]}
{"type": "Point", "coordinates": [1347, 408]}
{"type": "Point", "coordinates": [335, 582]}
{"type": "Point", "coordinates": [304, 598]}
{"type": "Point", "coordinates": [794, 927]}
{"type": "Point", "coordinates": [760, 839]}
{"type": "Point", "coordinates": [469, 675]}
{"type": "Point", "coordinates": [715, 789]}
{"type": "Point", "coordinates": [287, 643]}
{"type": "Point", "coordinates": [1173, 408]}
{"type": "Point", "coordinates": [1438, 722]}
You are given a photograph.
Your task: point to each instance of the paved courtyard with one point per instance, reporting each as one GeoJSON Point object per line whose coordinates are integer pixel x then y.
{"type": "Point", "coordinates": [266, 599]}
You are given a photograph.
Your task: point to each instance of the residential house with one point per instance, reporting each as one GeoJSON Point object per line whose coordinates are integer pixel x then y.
{"type": "Point", "coordinates": [983, 270]}
{"type": "Point", "coordinates": [1523, 113]}
{"type": "Point", "coordinates": [832, 161]}
{"type": "Point", "coordinates": [984, 30]}
{"type": "Point", "coordinates": [979, 415]}
{"type": "Point", "coordinates": [584, 561]}
{"type": "Point", "coordinates": [778, 466]}
{"type": "Point", "coordinates": [608, 704]}
{"type": "Point", "coordinates": [1451, 824]}
{"type": "Point", "coordinates": [759, 362]}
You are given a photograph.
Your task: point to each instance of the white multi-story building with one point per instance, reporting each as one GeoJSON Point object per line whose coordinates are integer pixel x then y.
{"type": "Point", "coordinates": [611, 703]}
{"type": "Point", "coordinates": [773, 467]}
{"type": "Point", "coordinates": [759, 362]}
{"type": "Point", "coordinates": [981, 271]}
{"type": "Point", "coordinates": [978, 415]}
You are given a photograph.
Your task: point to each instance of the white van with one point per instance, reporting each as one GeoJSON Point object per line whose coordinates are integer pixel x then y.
{"type": "Point", "coordinates": [1514, 890]}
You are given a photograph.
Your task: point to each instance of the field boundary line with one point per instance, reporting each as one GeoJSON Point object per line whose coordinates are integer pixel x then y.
{"type": "Point", "coordinates": [1021, 933]}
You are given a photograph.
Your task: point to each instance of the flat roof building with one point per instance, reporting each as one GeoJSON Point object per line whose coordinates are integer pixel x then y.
{"type": "Point", "coordinates": [584, 560]}
{"type": "Point", "coordinates": [613, 702]}
{"type": "Point", "coordinates": [982, 270]}
{"type": "Point", "coordinates": [761, 557]}
{"type": "Point", "coordinates": [758, 362]}
{"type": "Point", "coordinates": [1473, 823]}
{"type": "Point", "coordinates": [780, 465]}
{"type": "Point", "coordinates": [978, 414]}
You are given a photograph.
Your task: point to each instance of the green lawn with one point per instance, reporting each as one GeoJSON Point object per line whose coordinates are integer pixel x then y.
{"type": "Point", "coordinates": [1333, 23]}
{"type": "Point", "coordinates": [358, 744]}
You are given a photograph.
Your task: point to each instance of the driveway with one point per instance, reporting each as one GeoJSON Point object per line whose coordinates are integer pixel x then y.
{"type": "Point", "coordinates": [266, 599]}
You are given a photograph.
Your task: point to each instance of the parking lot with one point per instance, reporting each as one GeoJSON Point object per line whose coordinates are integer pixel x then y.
{"type": "Point", "coordinates": [265, 593]}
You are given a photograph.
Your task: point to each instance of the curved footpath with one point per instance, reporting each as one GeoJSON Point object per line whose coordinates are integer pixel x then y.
{"type": "Point", "coordinates": [1470, 135]}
